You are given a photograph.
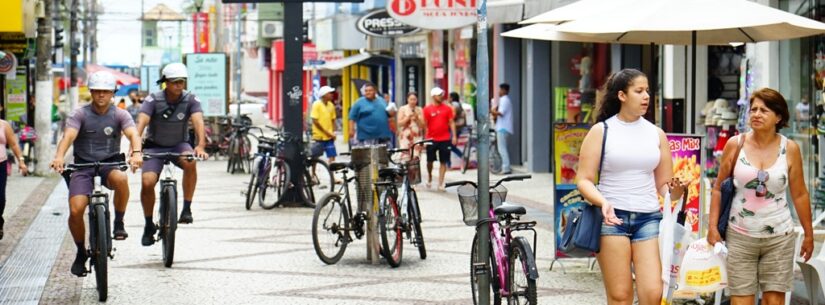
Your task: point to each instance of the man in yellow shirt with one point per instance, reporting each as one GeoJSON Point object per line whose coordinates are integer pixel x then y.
{"type": "Point", "coordinates": [323, 125]}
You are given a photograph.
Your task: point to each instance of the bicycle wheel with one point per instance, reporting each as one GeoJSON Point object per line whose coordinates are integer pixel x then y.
{"type": "Point", "coordinates": [31, 156]}
{"type": "Point", "coordinates": [390, 229]}
{"type": "Point", "coordinates": [230, 160]}
{"type": "Point", "coordinates": [276, 178]}
{"type": "Point", "coordinates": [322, 181]}
{"type": "Point", "coordinates": [251, 190]}
{"type": "Point", "coordinates": [522, 288]}
{"type": "Point", "coordinates": [245, 154]}
{"type": "Point", "coordinates": [415, 215]}
{"type": "Point", "coordinates": [330, 232]}
{"type": "Point", "coordinates": [169, 223]}
{"type": "Point", "coordinates": [100, 253]}
{"type": "Point", "coordinates": [495, 295]}
{"type": "Point", "coordinates": [465, 155]}
{"type": "Point", "coordinates": [495, 159]}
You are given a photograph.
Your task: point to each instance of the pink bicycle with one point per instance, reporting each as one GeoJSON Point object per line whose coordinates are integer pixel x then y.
{"type": "Point", "coordinates": [512, 266]}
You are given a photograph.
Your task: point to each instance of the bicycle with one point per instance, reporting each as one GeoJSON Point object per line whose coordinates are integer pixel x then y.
{"type": "Point", "coordinates": [168, 208]}
{"type": "Point", "coordinates": [239, 149]}
{"type": "Point", "coordinates": [260, 179]}
{"type": "Point", "coordinates": [100, 231]}
{"type": "Point", "coordinates": [470, 148]}
{"type": "Point", "coordinates": [317, 175]}
{"type": "Point", "coordinates": [512, 269]}
{"type": "Point", "coordinates": [339, 222]}
{"type": "Point", "coordinates": [394, 220]}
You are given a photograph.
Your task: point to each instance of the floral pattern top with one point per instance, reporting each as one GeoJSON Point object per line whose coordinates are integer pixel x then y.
{"type": "Point", "coordinates": [761, 216]}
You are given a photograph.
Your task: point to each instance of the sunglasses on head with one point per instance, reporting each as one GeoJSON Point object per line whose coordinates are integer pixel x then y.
{"type": "Point", "coordinates": [761, 189]}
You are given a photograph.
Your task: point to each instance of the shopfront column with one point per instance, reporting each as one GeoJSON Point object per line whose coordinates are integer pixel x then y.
{"type": "Point", "coordinates": [509, 71]}
{"type": "Point", "coordinates": [537, 101]}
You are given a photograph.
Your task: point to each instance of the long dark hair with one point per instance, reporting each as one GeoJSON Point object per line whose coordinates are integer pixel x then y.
{"type": "Point", "coordinates": [609, 105]}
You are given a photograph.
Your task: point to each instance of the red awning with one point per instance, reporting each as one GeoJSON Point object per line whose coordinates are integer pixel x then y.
{"type": "Point", "coordinates": [122, 78]}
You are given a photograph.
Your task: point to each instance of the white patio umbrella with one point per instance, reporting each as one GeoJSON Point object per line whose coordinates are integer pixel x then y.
{"type": "Point", "coordinates": [680, 22]}
{"type": "Point", "coordinates": [576, 10]}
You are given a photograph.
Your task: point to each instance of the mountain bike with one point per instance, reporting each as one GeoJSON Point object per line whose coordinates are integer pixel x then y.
{"type": "Point", "coordinates": [512, 266]}
{"type": "Point", "coordinates": [167, 214]}
{"type": "Point", "coordinates": [333, 222]}
{"type": "Point", "coordinates": [259, 179]}
{"type": "Point", "coordinates": [274, 172]}
{"type": "Point", "coordinates": [100, 231]}
{"type": "Point", "coordinates": [471, 149]}
{"type": "Point", "coordinates": [397, 218]}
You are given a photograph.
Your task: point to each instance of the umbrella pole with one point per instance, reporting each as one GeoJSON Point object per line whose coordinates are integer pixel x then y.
{"type": "Point", "coordinates": [693, 82]}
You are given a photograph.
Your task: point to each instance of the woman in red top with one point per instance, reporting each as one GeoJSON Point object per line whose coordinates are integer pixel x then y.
{"type": "Point", "coordinates": [441, 129]}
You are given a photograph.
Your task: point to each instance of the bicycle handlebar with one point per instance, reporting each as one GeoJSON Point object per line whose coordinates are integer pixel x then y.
{"type": "Point", "coordinates": [408, 149]}
{"type": "Point", "coordinates": [499, 182]}
{"type": "Point", "coordinates": [170, 155]}
{"type": "Point", "coordinates": [121, 165]}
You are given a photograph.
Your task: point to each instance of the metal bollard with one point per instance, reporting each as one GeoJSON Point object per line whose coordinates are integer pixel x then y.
{"type": "Point", "coordinates": [367, 161]}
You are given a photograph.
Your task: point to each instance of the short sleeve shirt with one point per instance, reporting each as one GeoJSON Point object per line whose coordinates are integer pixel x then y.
{"type": "Point", "coordinates": [148, 106]}
{"type": "Point", "coordinates": [78, 116]}
{"type": "Point", "coordinates": [371, 119]}
{"type": "Point", "coordinates": [505, 121]}
{"type": "Point", "coordinates": [438, 118]}
{"type": "Point", "coordinates": [324, 114]}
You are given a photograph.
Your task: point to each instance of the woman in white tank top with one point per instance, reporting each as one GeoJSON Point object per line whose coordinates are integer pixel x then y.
{"type": "Point", "coordinates": [637, 165]}
{"type": "Point", "coordinates": [8, 138]}
{"type": "Point", "coordinates": [760, 236]}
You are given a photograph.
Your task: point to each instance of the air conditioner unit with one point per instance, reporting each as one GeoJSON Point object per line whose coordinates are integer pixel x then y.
{"type": "Point", "coordinates": [272, 29]}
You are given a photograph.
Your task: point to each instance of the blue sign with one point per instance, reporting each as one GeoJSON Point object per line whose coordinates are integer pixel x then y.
{"type": "Point", "coordinates": [207, 80]}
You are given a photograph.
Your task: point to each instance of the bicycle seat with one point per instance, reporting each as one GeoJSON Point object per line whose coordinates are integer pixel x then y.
{"type": "Point", "coordinates": [390, 172]}
{"type": "Point", "coordinates": [337, 166]}
{"type": "Point", "coordinates": [264, 148]}
{"type": "Point", "coordinates": [510, 209]}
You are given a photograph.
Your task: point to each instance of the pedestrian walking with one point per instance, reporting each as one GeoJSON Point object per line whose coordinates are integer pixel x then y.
{"type": "Point", "coordinates": [122, 104]}
{"type": "Point", "coordinates": [760, 236]}
{"type": "Point", "coordinates": [323, 125]}
{"type": "Point", "coordinates": [370, 117]}
{"type": "Point", "coordinates": [392, 108]}
{"type": "Point", "coordinates": [441, 129]}
{"type": "Point", "coordinates": [8, 138]}
{"type": "Point", "coordinates": [460, 120]}
{"type": "Point", "coordinates": [503, 116]}
{"type": "Point", "coordinates": [134, 108]}
{"type": "Point", "coordinates": [629, 180]}
{"type": "Point", "coordinates": [411, 124]}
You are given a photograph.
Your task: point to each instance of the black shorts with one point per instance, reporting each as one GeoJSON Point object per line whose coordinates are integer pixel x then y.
{"type": "Point", "coordinates": [441, 148]}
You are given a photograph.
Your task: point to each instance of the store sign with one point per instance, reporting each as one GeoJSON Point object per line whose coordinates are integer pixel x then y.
{"type": "Point", "coordinates": [434, 15]}
{"type": "Point", "coordinates": [380, 23]}
{"type": "Point", "coordinates": [16, 97]}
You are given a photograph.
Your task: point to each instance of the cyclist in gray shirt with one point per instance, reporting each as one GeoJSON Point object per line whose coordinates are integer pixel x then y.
{"type": "Point", "coordinates": [167, 115]}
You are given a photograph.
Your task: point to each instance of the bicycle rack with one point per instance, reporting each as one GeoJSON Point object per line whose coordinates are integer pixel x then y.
{"type": "Point", "coordinates": [375, 157]}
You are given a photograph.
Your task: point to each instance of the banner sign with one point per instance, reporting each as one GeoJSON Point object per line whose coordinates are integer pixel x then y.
{"type": "Point", "coordinates": [201, 35]}
{"type": "Point", "coordinates": [434, 15]}
{"type": "Point", "coordinates": [16, 93]}
{"type": "Point", "coordinates": [686, 152]}
{"type": "Point", "coordinates": [379, 23]}
{"type": "Point", "coordinates": [208, 81]}
{"type": "Point", "coordinates": [568, 140]}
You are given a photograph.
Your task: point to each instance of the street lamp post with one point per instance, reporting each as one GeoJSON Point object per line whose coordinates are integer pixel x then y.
{"type": "Point", "coordinates": [482, 117]}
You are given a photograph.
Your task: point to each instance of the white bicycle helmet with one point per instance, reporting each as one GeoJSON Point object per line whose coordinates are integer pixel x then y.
{"type": "Point", "coordinates": [173, 71]}
{"type": "Point", "coordinates": [102, 80]}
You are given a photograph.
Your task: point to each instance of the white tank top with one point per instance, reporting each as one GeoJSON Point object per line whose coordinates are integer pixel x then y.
{"type": "Point", "coordinates": [631, 155]}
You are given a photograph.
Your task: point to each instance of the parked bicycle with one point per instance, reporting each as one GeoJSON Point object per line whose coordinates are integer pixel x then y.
{"type": "Point", "coordinates": [262, 177]}
{"type": "Point", "coordinates": [399, 217]}
{"type": "Point", "coordinates": [240, 149]}
{"type": "Point", "coordinates": [512, 266]}
{"type": "Point", "coordinates": [100, 231]}
{"type": "Point", "coordinates": [471, 149]}
{"type": "Point", "coordinates": [167, 213]}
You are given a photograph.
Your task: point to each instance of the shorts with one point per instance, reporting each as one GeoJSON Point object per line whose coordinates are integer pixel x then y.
{"type": "Point", "coordinates": [635, 225]}
{"type": "Point", "coordinates": [440, 149]}
{"type": "Point", "coordinates": [321, 147]}
{"type": "Point", "coordinates": [155, 165]}
{"type": "Point", "coordinates": [82, 181]}
{"type": "Point", "coordinates": [766, 263]}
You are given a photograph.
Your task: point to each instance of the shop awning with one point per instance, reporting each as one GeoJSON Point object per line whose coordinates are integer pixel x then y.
{"type": "Point", "coordinates": [361, 58]}
{"type": "Point", "coordinates": [505, 11]}
{"type": "Point", "coordinates": [122, 78]}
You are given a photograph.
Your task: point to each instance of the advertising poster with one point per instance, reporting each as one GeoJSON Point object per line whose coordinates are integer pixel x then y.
{"type": "Point", "coordinates": [16, 93]}
{"type": "Point", "coordinates": [568, 141]}
{"type": "Point", "coordinates": [567, 199]}
{"type": "Point", "coordinates": [686, 151]}
{"type": "Point", "coordinates": [207, 80]}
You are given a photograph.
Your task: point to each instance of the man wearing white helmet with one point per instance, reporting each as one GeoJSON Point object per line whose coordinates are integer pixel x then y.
{"type": "Point", "coordinates": [95, 131]}
{"type": "Point", "coordinates": [167, 114]}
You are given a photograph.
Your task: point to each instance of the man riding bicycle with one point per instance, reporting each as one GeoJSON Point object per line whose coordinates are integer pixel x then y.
{"type": "Point", "coordinates": [95, 132]}
{"type": "Point", "coordinates": [167, 114]}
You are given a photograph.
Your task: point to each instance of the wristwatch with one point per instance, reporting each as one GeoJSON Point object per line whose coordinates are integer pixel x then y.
{"type": "Point", "coordinates": [136, 151]}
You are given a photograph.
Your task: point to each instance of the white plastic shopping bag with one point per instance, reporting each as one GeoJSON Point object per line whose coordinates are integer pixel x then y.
{"type": "Point", "coordinates": [674, 240]}
{"type": "Point", "coordinates": [702, 271]}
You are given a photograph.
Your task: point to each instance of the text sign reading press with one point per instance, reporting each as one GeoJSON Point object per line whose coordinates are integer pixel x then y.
{"type": "Point", "coordinates": [380, 23]}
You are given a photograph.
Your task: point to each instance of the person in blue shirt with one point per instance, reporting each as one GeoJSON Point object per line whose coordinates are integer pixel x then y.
{"type": "Point", "coordinates": [369, 116]}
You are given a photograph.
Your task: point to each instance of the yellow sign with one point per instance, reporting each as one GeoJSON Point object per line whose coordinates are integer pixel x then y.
{"type": "Point", "coordinates": [12, 20]}
{"type": "Point", "coordinates": [704, 277]}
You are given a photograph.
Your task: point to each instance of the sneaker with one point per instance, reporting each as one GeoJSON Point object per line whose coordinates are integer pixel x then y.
{"type": "Point", "coordinates": [79, 265]}
{"type": "Point", "coordinates": [148, 238]}
{"type": "Point", "coordinates": [119, 232]}
{"type": "Point", "coordinates": [185, 216]}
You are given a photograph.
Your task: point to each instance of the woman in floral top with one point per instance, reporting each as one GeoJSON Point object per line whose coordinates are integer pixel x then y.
{"type": "Point", "coordinates": [760, 238]}
{"type": "Point", "coordinates": [410, 123]}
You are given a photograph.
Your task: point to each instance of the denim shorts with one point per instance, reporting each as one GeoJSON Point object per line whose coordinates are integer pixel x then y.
{"type": "Point", "coordinates": [636, 226]}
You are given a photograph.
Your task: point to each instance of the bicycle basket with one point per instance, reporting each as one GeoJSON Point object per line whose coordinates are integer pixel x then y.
{"type": "Point", "coordinates": [468, 198]}
{"type": "Point", "coordinates": [414, 171]}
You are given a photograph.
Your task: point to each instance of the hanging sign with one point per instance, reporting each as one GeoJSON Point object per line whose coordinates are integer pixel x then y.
{"type": "Point", "coordinates": [379, 23]}
{"type": "Point", "coordinates": [434, 15]}
{"type": "Point", "coordinates": [208, 81]}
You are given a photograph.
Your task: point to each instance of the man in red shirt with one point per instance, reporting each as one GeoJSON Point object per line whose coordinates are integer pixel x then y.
{"type": "Point", "coordinates": [441, 129]}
